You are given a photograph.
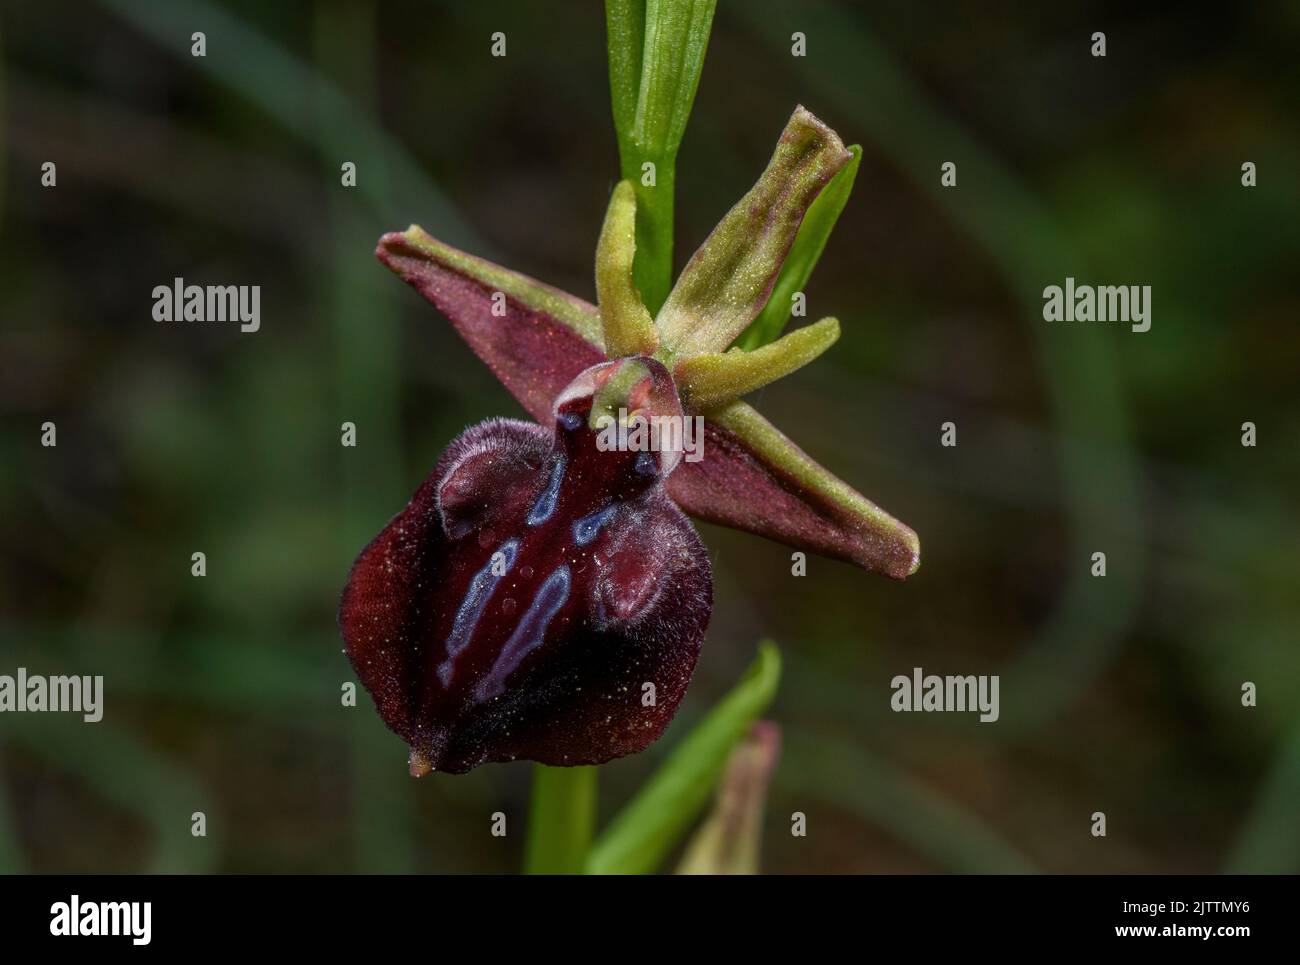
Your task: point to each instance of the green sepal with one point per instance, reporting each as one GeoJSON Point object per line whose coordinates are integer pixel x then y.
{"type": "Point", "coordinates": [728, 280]}
{"type": "Point", "coordinates": [625, 321]}
{"type": "Point", "coordinates": [804, 254]}
{"type": "Point", "coordinates": [715, 379]}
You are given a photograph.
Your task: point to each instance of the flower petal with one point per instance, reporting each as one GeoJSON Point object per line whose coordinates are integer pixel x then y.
{"type": "Point", "coordinates": [537, 341]}
{"type": "Point", "coordinates": [489, 631]}
{"type": "Point", "coordinates": [628, 327]}
{"type": "Point", "coordinates": [814, 232]}
{"type": "Point", "coordinates": [728, 280]}
{"type": "Point", "coordinates": [754, 478]}
{"type": "Point", "coordinates": [716, 378]}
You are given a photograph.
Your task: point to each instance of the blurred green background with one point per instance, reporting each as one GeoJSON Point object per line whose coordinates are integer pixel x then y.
{"type": "Point", "coordinates": [1119, 694]}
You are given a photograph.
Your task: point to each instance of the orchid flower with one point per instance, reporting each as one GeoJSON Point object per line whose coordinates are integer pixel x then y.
{"type": "Point", "coordinates": [543, 596]}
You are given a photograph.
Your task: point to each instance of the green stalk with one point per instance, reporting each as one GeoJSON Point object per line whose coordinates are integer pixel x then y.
{"type": "Point", "coordinates": [561, 819]}
{"type": "Point", "coordinates": [652, 269]}
{"type": "Point", "coordinates": [656, 53]}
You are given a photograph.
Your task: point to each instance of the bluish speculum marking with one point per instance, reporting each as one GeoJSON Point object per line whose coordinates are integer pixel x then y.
{"type": "Point", "coordinates": [588, 528]}
{"type": "Point", "coordinates": [476, 598]}
{"type": "Point", "coordinates": [529, 632]}
{"type": "Point", "coordinates": [545, 505]}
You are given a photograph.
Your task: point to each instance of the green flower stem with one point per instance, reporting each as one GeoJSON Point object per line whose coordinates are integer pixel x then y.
{"type": "Point", "coordinates": [652, 271]}
{"type": "Point", "coordinates": [656, 53]}
{"type": "Point", "coordinates": [561, 819]}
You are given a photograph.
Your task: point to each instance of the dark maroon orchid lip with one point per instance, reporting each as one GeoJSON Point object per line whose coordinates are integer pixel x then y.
{"type": "Point", "coordinates": [531, 595]}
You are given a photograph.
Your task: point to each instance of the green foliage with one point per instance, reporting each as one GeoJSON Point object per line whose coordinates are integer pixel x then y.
{"type": "Point", "coordinates": [656, 53]}
{"type": "Point", "coordinates": [141, 782]}
{"type": "Point", "coordinates": [560, 819]}
{"type": "Point", "coordinates": [644, 832]}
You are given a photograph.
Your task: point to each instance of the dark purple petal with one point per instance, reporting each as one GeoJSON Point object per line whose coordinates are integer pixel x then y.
{"type": "Point", "coordinates": [544, 337]}
{"type": "Point", "coordinates": [754, 478]}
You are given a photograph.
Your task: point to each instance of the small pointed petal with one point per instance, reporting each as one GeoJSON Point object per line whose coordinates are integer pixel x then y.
{"type": "Point", "coordinates": [754, 478]}
{"type": "Point", "coordinates": [728, 841]}
{"type": "Point", "coordinates": [714, 379]}
{"type": "Point", "coordinates": [627, 325]}
{"type": "Point", "coordinates": [814, 232]}
{"type": "Point", "coordinates": [537, 341]}
{"type": "Point", "coordinates": [729, 279]}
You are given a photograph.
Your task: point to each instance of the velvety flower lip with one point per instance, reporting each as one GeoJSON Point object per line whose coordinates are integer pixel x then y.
{"type": "Point", "coordinates": [536, 339]}
{"type": "Point", "coordinates": [532, 590]}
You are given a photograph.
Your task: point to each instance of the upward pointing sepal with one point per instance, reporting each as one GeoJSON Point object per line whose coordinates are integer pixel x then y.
{"type": "Point", "coordinates": [728, 280]}
{"type": "Point", "coordinates": [626, 322]}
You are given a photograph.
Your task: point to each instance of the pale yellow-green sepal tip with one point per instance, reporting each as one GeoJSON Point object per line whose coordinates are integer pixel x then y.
{"type": "Point", "coordinates": [627, 325]}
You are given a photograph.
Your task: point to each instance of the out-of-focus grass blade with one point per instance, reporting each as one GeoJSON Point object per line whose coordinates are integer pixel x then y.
{"type": "Point", "coordinates": [656, 48]}
{"type": "Point", "coordinates": [4, 153]}
{"type": "Point", "coordinates": [643, 833]}
{"type": "Point", "coordinates": [1270, 841]}
{"type": "Point", "coordinates": [384, 812]}
{"type": "Point", "coordinates": [841, 773]}
{"type": "Point", "coordinates": [302, 100]}
{"type": "Point", "coordinates": [802, 259]}
{"type": "Point", "coordinates": [270, 676]}
{"type": "Point", "coordinates": [128, 774]}
{"type": "Point", "coordinates": [561, 819]}
{"type": "Point", "coordinates": [11, 855]}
